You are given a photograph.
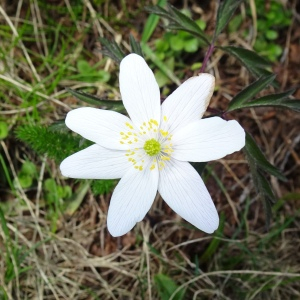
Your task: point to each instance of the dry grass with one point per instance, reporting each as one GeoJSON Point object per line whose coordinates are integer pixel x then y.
{"type": "Point", "coordinates": [80, 260]}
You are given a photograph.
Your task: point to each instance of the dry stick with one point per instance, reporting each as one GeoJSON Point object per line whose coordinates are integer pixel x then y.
{"type": "Point", "coordinates": [15, 33]}
{"type": "Point", "coordinates": [30, 89]}
{"type": "Point", "coordinates": [145, 232]}
{"type": "Point", "coordinates": [216, 273]}
{"type": "Point", "coordinates": [39, 187]}
{"type": "Point", "coordinates": [29, 204]}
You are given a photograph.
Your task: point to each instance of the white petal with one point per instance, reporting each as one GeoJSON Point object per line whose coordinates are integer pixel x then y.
{"type": "Point", "coordinates": [188, 102]}
{"type": "Point", "coordinates": [139, 90]}
{"type": "Point", "coordinates": [184, 191]}
{"type": "Point", "coordinates": [96, 162]}
{"type": "Point", "coordinates": [131, 200]}
{"type": "Point", "coordinates": [208, 139]}
{"type": "Point", "coordinates": [100, 126]}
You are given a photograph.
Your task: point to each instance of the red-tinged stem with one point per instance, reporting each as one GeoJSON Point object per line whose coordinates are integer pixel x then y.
{"type": "Point", "coordinates": [207, 56]}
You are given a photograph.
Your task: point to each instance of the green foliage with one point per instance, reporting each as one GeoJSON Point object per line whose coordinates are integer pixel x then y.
{"type": "Point", "coordinates": [14, 255]}
{"type": "Point", "coordinates": [280, 100]}
{"type": "Point", "coordinates": [151, 23]}
{"type": "Point", "coordinates": [255, 64]}
{"type": "Point", "coordinates": [3, 130]}
{"type": "Point", "coordinates": [178, 21]}
{"type": "Point", "coordinates": [54, 195]}
{"type": "Point", "coordinates": [250, 91]}
{"type": "Point", "coordinates": [135, 46]}
{"type": "Point", "coordinates": [260, 160]}
{"type": "Point", "coordinates": [225, 11]}
{"type": "Point", "coordinates": [101, 187]}
{"type": "Point", "coordinates": [93, 100]}
{"type": "Point", "coordinates": [166, 288]}
{"type": "Point", "coordinates": [269, 22]}
{"type": "Point", "coordinates": [57, 145]}
{"type": "Point", "coordinates": [27, 174]}
{"type": "Point", "coordinates": [87, 73]}
{"type": "Point", "coordinates": [215, 243]}
{"type": "Point", "coordinates": [111, 49]}
{"type": "Point", "coordinates": [258, 163]}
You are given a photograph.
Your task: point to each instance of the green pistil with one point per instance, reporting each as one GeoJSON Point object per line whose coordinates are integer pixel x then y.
{"type": "Point", "coordinates": [152, 147]}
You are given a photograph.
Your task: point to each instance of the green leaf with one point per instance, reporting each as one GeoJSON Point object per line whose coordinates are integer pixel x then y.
{"type": "Point", "coordinates": [214, 244]}
{"type": "Point", "coordinates": [179, 21]}
{"type": "Point", "coordinates": [256, 154]}
{"type": "Point", "coordinates": [250, 91]}
{"type": "Point", "coordinates": [74, 202]}
{"type": "Point", "coordinates": [111, 49]}
{"type": "Point", "coordinates": [225, 11]}
{"type": "Point", "coordinates": [3, 130]}
{"type": "Point", "coordinates": [166, 287]}
{"type": "Point", "coordinates": [135, 46]}
{"type": "Point", "coordinates": [157, 10]}
{"type": "Point", "coordinates": [187, 24]}
{"type": "Point", "coordinates": [101, 187]}
{"type": "Point", "coordinates": [90, 99]}
{"type": "Point", "coordinates": [161, 65]}
{"type": "Point", "coordinates": [259, 186]}
{"type": "Point", "coordinates": [199, 166]}
{"type": "Point", "coordinates": [274, 100]}
{"type": "Point", "coordinates": [151, 23]}
{"type": "Point", "coordinates": [266, 188]}
{"type": "Point", "coordinates": [55, 144]}
{"type": "Point", "coordinates": [250, 59]}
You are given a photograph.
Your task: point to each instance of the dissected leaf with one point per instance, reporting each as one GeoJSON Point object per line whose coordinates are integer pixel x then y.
{"type": "Point", "coordinates": [135, 46]}
{"type": "Point", "coordinates": [250, 91]}
{"type": "Point", "coordinates": [274, 100]}
{"type": "Point", "coordinates": [250, 59]}
{"type": "Point", "coordinates": [187, 24]}
{"type": "Point", "coordinates": [111, 49]}
{"type": "Point", "coordinates": [179, 21]}
{"type": "Point", "coordinates": [55, 144]}
{"type": "Point", "coordinates": [225, 11]}
{"type": "Point", "coordinates": [258, 186]}
{"type": "Point", "coordinates": [166, 287]}
{"type": "Point", "coordinates": [91, 99]}
{"type": "Point", "coordinates": [256, 154]}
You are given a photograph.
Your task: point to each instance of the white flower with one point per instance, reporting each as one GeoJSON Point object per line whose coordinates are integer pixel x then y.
{"type": "Point", "coordinates": [151, 150]}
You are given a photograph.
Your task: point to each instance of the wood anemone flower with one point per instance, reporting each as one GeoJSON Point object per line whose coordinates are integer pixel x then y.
{"type": "Point", "coordinates": [151, 150]}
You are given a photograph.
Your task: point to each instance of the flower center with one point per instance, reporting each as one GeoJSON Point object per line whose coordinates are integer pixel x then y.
{"type": "Point", "coordinates": [152, 147]}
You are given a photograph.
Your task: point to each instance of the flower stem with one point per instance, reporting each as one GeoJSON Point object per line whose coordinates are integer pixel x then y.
{"type": "Point", "coordinates": [207, 55]}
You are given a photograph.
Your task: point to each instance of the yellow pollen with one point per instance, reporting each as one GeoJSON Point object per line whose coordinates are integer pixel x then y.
{"type": "Point", "coordinates": [163, 133]}
{"type": "Point", "coordinates": [152, 167]}
{"type": "Point", "coordinates": [152, 147]}
{"type": "Point", "coordinates": [165, 118]}
{"type": "Point", "coordinates": [165, 158]}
